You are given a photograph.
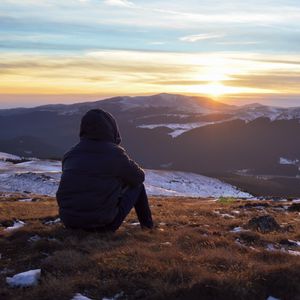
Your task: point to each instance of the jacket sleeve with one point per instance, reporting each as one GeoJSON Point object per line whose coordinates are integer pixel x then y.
{"type": "Point", "coordinates": [128, 170]}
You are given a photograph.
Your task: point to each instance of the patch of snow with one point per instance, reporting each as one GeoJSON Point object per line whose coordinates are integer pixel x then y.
{"type": "Point", "coordinates": [6, 156]}
{"type": "Point", "coordinates": [286, 161]}
{"type": "Point", "coordinates": [32, 182]}
{"type": "Point", "coordinates": [4, 165]}
{"type": "Point", "coordinates": [79, 296]}
{"type": "Point", "coordinates": [25, 279]}
{"type": "Point", "coordinates": [135, 224]}
{"type": "Point", "coordinates": [223, 215]}
{"type": "Point", "coordinates": [295, 253]}
{"type": "Point", "coordinates": [227, 216]}
{"type": "Point", "coordinates": [166, 244]}
{"type": "Point", "coordinates": [296, 243]}
{"type": "Point", "coordinates": [238, 229]}
{"type": "Point", "coordinates": [56, 221]}
{"type": "Point", "coordinates": [178, 128]}
{"type": "Point", "coordinates": [17, 224]}
{"type": "Point", "coordinates": [271, 247]}
{"type": "Point", "coordinates": [25, 200]}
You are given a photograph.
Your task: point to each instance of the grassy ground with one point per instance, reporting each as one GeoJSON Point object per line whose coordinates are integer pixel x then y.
{"type": "Point", "coordinates": [191, 255]}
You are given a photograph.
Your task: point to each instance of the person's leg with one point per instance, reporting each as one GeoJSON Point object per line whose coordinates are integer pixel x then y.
{"type": "Point", "coordinates": [133, 197]}
{"type": "Point", "coordinates": [142, 209]}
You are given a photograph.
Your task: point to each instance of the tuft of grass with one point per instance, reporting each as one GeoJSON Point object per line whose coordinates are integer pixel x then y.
{"type": "Point", "coordinates": [226, 200]}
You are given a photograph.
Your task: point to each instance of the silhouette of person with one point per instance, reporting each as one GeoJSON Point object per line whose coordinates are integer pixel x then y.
{"type": "Point", "coordinates": [100, 184]}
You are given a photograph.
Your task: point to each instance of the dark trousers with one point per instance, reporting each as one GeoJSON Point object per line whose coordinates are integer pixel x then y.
{"type": "Point", "coordinates": [133, 197]}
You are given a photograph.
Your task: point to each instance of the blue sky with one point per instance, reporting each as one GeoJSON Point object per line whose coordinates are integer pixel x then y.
{"type": "Point", "coordinates": [216, 48]}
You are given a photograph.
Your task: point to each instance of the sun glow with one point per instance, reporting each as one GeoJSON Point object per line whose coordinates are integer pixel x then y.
{"type": "Point", "coordinates": [215, 89]}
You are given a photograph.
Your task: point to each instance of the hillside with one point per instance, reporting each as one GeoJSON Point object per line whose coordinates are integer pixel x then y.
{"type": "Point", "coordinates": [42, 177]}
{"type": "Point", "coordinates": [202, 249]}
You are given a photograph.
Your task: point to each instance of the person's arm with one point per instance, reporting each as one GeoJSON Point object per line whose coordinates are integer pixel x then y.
{"type": "Point", "coordinates": [128, 170]}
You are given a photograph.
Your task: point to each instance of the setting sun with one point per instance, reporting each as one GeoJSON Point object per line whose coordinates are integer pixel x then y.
{"type": "Point", "coordinates": [216, 89]}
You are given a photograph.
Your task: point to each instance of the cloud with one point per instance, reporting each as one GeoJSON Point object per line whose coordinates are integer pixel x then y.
{"type": "Point", "coordinates": [111, 72]}
{"type": "Point", "coordinates": [200, 37]}
{"type": "Point", "coordinates": [121, 3]}
{"type": "Point", "coordinates": [288, 82]}
{"type": "Point", "coordinates": [180, 82]}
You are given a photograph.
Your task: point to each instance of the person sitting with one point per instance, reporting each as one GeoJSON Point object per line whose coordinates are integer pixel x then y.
{"type": "Point", "coordinates": [100, 184]}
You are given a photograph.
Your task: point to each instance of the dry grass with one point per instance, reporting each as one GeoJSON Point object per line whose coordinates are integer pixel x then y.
{"type": "Point", "coordinates": [192, 255]}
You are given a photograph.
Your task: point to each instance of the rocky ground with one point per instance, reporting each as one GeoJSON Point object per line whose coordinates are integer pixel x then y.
{"type": "Point", "coordinates": [202, 249]}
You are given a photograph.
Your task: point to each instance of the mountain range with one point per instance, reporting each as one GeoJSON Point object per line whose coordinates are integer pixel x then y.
{"type": "Point", "coordinates": [252, 146]}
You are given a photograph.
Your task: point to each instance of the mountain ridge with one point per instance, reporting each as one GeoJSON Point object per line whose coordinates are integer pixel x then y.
{"type": "Point", "coordinates": [206, 138]}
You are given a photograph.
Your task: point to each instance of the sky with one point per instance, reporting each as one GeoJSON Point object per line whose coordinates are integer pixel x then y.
{"type": "Point", "coordinates": [233, 51]}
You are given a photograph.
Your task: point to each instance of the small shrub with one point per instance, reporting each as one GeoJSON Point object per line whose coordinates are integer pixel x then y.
{"type": "Point", "coordinates": [226, 200]}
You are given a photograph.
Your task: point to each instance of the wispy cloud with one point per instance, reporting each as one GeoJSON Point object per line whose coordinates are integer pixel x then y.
{"type": "Point", "coordinates": [121, 3]}
{"type": "Point", "coordinates": [200, 37]}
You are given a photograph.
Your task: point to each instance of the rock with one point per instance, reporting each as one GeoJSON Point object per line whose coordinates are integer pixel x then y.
{"type": "Point", "coordinates": [289, 228]}
{"type": "Point", "coordinates": [255, 205]}
{"type": "Point", "coordinates": [294, 207]}
{"type": "Point", "coordinates": [289, 243]}
{"type": "Point", "coordinates": [264, 224]}
{"type": "Point", "coordinates": [7, 223]}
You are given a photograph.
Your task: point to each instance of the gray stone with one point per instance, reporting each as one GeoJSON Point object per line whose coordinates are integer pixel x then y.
{"type": "Point", "coordinates": [264, 224]}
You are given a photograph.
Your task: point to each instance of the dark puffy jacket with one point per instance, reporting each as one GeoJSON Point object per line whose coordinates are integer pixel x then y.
{"type": "Point", "coordinates": [94, 173]}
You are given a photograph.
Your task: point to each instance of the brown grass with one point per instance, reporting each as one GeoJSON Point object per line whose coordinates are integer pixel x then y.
{"type": "Point", "coordinates": [192, 255]}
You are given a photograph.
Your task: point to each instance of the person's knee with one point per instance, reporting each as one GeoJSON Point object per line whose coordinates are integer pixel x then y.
{"type": "Point", "coordinates": [141, 186]}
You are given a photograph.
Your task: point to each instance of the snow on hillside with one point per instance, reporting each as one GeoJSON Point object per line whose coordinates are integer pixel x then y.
{"type": "Point", "coordinates": [42, 177]}
{"type": "Point", "coordinates": [189, 184]}
{"type": "Point", "coordinates": [178, 128]}
{"type": "Point", "coordinates": [286, 161]}
{"type": "Point", "coordinates": [6, 156]}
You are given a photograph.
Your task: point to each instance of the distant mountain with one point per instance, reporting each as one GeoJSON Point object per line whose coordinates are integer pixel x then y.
{"type": "Point", "coordinates": [174, 132]}
{"type": "Point", "coordinates": [173, 103]}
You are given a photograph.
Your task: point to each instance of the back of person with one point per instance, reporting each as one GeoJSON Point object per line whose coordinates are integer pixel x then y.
{"type": "Point", "coordinates": [94, 173]}
{"type": "Point", "coordinates": [88, 191]}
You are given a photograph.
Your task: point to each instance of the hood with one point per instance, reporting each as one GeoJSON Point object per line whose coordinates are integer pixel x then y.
{"type": "Point", "coordinates": [98, 124]}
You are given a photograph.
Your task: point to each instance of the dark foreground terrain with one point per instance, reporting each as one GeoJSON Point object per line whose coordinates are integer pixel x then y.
{"type": "Point", "coordinates": [197, 252]}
